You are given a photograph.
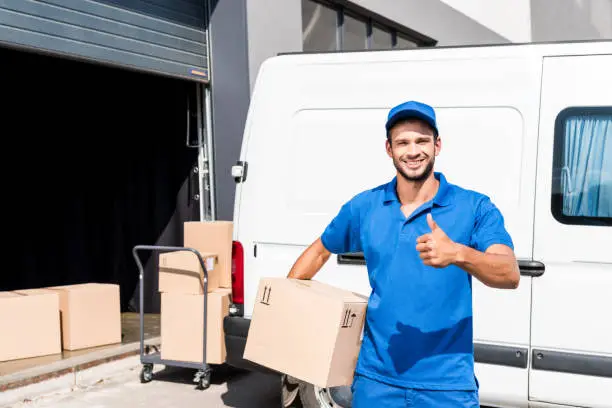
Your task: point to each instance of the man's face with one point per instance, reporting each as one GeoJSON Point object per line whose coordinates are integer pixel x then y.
{"type": "Point", "coordinates": [413, 149]}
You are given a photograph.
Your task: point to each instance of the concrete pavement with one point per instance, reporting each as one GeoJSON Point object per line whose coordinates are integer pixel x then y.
{"type": "Point", "coordinates": [171, 386]}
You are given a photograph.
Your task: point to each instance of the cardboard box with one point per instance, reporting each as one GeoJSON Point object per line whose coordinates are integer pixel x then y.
{"type": "Point", "coordinates": [181, 272]}
{"type": "Point", "coordinates": [182, 327]}
{"type": "Point", "coordinates": [226, 290]}
{"type": "Point", "coordinates": [29, 324]}
{"type": "Point", "coordinates": [307, 329]}
{"type": "Point", "coordinates": [215, 237]}
{"type": "Point", "coordinates": [90, 315]}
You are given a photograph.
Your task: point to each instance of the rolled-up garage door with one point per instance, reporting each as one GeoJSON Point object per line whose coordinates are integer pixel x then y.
{"type": "Point", "coordinates": [161, 36]}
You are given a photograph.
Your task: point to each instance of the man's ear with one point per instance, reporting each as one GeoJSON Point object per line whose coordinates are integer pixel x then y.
{"type": "Point", "coordinates": [438, 145]}
{"type": "Point", "coordinates": [388, 148]}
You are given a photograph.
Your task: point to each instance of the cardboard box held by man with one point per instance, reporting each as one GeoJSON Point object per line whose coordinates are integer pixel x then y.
{"type": "Point", "coordinates": [306, 329]}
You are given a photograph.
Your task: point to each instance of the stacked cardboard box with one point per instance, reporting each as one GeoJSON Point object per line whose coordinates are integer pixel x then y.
{"type": "Point", "coordinates": [39, 322]}
{"type": "Point", "coordinates": [90, 315]}
{"type": "Point", "coordinates": [29, 323]}
{"type": "Point", "coordinates": [181, 285]}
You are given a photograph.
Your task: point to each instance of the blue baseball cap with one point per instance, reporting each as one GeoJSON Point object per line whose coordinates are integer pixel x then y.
{"type": "Point", "coordinates": [412, 109]}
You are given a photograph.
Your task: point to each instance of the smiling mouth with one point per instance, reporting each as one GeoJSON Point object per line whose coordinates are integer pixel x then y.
{"type": "Point", "coordinates": [414, 164]}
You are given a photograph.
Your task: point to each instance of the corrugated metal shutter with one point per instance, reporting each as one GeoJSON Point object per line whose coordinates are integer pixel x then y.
{"type": "Point", "coordinates": [162, 36]}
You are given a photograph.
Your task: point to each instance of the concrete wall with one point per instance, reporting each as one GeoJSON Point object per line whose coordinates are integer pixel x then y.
{"type": "Point", "coordinates": [273, 26]}
{"type": "Point", "coordinates": [541, 20]}
{"type": "Point", "coordinates": [243, 34]}
{"type": "Point", "coordinates": [435, 19]}
{"type": "Point", "coordinates": [571, 20]}
{"type": "Point", "coordinates": [276, 25]}
{"type": "Point", "coordinates": [509, 18]}
{"type": "Point", "coordinates": [230, 94]}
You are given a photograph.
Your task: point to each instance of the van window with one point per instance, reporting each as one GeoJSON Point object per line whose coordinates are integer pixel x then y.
{"type": "Point", "coordinates": [582, 168]}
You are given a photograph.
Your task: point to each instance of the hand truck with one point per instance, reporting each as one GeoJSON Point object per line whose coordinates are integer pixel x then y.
{"type": "Point", "coordinates": [202, 376]}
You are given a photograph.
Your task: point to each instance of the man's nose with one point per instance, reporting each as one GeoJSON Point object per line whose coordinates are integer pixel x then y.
{"type": "Point", "coordinates": [412, 150]}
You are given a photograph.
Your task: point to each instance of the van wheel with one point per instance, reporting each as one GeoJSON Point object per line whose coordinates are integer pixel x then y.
{"type": "Point", "coordinates": [317, 397]}
{"type": "Point", "coordinates": [290, 392]}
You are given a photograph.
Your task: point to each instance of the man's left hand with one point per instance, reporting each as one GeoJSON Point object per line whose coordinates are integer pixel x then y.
{"type": "Point", "coordinates": [436, 248]}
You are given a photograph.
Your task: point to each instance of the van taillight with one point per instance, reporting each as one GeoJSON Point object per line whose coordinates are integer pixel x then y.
{"type": "Point", "coordinates": [237, 273]}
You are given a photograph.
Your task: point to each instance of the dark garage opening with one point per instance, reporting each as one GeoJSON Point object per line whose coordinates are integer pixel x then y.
{"type": "Point", "coordinates": [94, 162]}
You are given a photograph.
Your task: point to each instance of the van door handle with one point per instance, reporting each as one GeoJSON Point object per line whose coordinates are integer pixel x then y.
{"type": "Point", "coordinates": [527, 267]}
{"type": "Point", "coordinates": [353, 258]}
{"type": "Point", "coordinates": [531, 268]}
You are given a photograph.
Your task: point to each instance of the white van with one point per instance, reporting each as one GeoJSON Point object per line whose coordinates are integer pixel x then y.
{"type": "Point", "coordinates": [529, 125]}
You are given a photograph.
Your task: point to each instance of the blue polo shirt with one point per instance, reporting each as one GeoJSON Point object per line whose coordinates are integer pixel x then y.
{"type": "Point", "coordinates": [418, 329]}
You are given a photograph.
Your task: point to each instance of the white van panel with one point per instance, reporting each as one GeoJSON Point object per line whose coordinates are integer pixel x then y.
{"type": "Point", "coordinates": [325, 141]}
{"type": "Point", "coordinates": [334, 154]}
{"type": "Point", "coordinates": [572, 302]}
{"type": "Point", "coordinates": [482, 150]}
{"type": "Point", "coordinates": [502, 386]}
{"type": "Point", "coordinates": [275, 260]}
{"type": "Point", "coordinates": [570, 390]}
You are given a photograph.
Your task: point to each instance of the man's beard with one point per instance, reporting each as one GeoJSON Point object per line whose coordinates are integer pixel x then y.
{"type": "Point", "coordinates": [415, 178]}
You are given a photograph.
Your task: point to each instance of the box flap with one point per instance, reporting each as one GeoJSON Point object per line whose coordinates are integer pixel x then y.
{"type": "Point", "coordinates": [187, 260]}
{"type": "Point", "coordinates": [82, 286]}
{"type": "Point", "coordinates": [215, 237]}
{"type": "Point", "coordinates": [34, 292]}
{"type": "Point", "coordinates": [329, 290]}
{"type": "Point", "coordinates": [8, 294]}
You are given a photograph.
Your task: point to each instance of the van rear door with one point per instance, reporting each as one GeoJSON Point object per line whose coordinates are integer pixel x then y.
{"type": "Point", "coordinates": [571, 326]}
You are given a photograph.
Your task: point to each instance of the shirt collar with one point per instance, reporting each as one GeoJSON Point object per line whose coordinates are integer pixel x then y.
{"type": "Point", "coordinates": [442, 197]}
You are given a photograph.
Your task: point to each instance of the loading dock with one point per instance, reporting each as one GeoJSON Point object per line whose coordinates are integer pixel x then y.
{"type": "Point", "coordinates": [95, 161]}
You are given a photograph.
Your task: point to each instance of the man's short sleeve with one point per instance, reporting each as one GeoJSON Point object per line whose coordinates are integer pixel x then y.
{"type": "Point", "coordinates": [342, 233]}
{"type": "Point", "coordinates": [489, 228]}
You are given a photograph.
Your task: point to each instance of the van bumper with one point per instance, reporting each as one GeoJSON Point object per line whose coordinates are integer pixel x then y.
{"type": "Point", "coordinates": [236, 329]}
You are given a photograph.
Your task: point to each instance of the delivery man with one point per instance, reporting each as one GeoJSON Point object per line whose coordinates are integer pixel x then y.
{"type": "Point", "coordinates": [423, 240]}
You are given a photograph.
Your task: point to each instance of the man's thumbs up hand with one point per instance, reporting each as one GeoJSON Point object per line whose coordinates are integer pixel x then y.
{"type": "Point", "coordinates": [436, 248]}
{"type": "Point", "coordinates": [432, 224]}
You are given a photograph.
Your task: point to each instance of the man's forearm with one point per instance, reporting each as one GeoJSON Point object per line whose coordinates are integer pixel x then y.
{"type": "Point", "coordinates": [494, 270]}
{"type": "Point", "coordinates": [310, 262]}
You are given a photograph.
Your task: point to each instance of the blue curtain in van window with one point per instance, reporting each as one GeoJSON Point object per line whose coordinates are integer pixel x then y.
{"type": "Point", "coordinates": [587, 181]}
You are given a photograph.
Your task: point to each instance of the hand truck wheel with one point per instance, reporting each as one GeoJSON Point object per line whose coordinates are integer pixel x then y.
{"type": "Point", "coordinates": [146, 375]}
{"type": "Point", "coordinates": [203, 379]}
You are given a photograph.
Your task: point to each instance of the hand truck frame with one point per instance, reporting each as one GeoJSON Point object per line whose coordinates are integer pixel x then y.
{"type": "Point", "coordinates": [202, 376]}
